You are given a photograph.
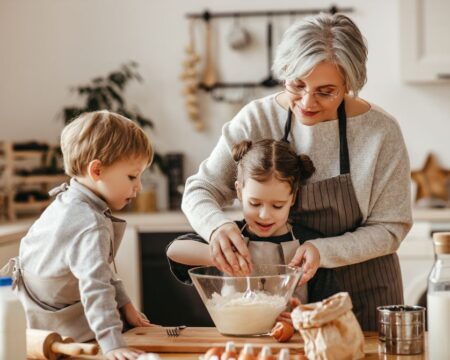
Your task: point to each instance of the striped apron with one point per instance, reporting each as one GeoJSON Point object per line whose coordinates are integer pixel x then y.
{"type": "Point", "coordinates": [330, 206]}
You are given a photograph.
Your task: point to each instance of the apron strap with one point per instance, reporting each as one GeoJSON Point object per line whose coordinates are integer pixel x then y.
{"type": "Point", "coordinates": [287, 126]}
{"type": "Point", "coordinates": [344, 159]}
{"type": "Point", "coordinates": [59, 189]}
{"type": "Point", "coordinates": [343, 146]}
{"type": "Point", "coordinates": [8, 269]}
{"type": "Point", "coordinates": [12, 269]}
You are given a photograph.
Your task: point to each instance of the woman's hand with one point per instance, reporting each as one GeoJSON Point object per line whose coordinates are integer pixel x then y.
{"type": "Point", "coordinates": [308, 256]}
{"type": "Point", "coordinates": [225, 245]}
{"type": "Point", "coordinates": [123, 354]}
{"type": "Point", "coordinates": [133, 316]}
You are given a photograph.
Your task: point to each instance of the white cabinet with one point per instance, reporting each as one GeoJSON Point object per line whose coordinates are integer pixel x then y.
{"type": "Point", "coordinates": [424, 40]}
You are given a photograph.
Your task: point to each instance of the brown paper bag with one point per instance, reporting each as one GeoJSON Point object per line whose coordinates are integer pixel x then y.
{"type": "Point", "coordinates": [330, 329]}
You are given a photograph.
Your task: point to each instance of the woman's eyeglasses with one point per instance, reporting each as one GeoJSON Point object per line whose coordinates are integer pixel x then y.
{"type": "Point", "coordinates": [300, 92]}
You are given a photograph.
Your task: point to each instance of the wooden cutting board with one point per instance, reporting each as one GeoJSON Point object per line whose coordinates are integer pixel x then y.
{"type": "Point", "coordinates": [200, 339]}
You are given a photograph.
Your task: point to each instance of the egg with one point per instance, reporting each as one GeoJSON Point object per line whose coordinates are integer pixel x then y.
{"type": "Point", "coordinates": [282, 331]}
{"type": "Point", "coordinates": [214, 351]}
{"type": "Point", "coordinates": [266, 354]}
{"type": "Point", "coordinates": [247, 353]}
{"type": "Point", "coordinates": [284, 354]}
{"type": "Point", "coordinates": [230, 352]}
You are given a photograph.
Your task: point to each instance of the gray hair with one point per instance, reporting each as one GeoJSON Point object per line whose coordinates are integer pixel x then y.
{"type": "Point", "coordinates": [333, 38]}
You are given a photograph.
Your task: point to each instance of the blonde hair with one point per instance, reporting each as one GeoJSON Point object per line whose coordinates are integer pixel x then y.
{"type": "Point", "coordinates": [104, 136]}
{"type": "Point", "coordinates": [265, 158]}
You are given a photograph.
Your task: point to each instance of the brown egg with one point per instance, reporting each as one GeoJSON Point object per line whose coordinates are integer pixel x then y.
{"type": "Point", "coordinates": [267, 357]}
{"type": "Point", "coordinates": [282, 331]}
{"type": "Point", "coordinates": [266, 354]}
{"type": "Point", "coordinates": [230, 352]}
{"type": "Point", "coordinates": [247, 353]}
{"type": "Point", "coordinates": [229, 355]}
{"type": "Point", "coordinates": [247, 357]}
{"type": "Point", "coordinates": [214, 351]}
{"type": "Point", "coordinates": [284, 354]}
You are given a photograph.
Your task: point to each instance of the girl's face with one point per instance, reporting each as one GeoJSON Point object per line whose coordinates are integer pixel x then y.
{"type": "Point", "coordinates": [316, 97]}
{"type": "Point", "coordinates": [266, 205]}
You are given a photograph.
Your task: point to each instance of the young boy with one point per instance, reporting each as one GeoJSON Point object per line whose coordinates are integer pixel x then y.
{"type": "Point", "coordinates": [63, 273]}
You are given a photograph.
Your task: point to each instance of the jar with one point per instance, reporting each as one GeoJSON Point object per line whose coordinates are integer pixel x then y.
{"type": "Point", "coordinates": [438, 299]}
{"type": "Point", "coordinates": [12, 323]}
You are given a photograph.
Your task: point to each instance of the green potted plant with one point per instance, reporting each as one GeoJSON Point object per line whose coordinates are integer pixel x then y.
{"type": "Point", "coordinates": [108, 93]}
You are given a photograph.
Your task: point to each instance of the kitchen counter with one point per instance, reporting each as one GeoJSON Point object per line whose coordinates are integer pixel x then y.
{"type": "Point", "coordinates": [370, 349]}
{"type": "Point", "coordinates": [176, 221]}
{"type": "Point", "coordinates": [130, 271]}
{"type": "Point", "coordinates": [142, 222]}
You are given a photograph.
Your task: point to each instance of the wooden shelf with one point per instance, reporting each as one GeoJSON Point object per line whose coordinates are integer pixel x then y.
{"type": "Point", "coordinates": [39, 179]}
{"type": "Point", "coordinates": [32, 205]}
{"type": "Point", "coordinates": [29, 154]}
{"type": "Point", "coordinates": [10, 159]}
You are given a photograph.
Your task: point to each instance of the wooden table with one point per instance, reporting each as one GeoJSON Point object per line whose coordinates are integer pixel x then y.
{"type": "Point", "coordinates": [370, 349]}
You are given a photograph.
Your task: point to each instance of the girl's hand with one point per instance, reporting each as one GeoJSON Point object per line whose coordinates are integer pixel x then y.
{"type": "Point", "coordinates": [308, 256]}
{"type": "Point", "coordinates": [133, 316]}
{"type": "Point", "coordinates": [123, 354]}
{"type": "Point", "coordinates": [225, 245]}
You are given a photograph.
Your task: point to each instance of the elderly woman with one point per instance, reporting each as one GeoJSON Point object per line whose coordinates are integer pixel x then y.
{"type": "Point", "coordinates": [359, 196]}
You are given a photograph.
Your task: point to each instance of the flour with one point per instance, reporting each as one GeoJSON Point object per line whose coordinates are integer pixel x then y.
{"type": "Point", "coordinates": [235, 315]}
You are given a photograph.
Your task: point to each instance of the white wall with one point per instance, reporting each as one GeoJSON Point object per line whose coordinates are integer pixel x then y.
{"type": "Point", "coordinates": [49, 45]}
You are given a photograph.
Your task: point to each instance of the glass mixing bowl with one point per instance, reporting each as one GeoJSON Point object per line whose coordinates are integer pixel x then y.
{"type": "Point", "coordinates": [248, 305]}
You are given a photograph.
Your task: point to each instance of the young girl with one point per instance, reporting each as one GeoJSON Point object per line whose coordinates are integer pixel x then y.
{"type": "Point", "coordinates": [268, 176]}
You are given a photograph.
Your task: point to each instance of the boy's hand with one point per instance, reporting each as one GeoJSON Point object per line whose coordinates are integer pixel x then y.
{"type": "Point", "coordinates": [133, 316]}
{"type": "Point", "coordinates": [123, 354]}
{"type": "Point", "coordinates": [308, 256]}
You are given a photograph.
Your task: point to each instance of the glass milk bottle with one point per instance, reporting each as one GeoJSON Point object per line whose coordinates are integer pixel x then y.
{"type": "Point", "coordinates": [438, 300]}
{"type": "Point", "coordinates": [12, 323]}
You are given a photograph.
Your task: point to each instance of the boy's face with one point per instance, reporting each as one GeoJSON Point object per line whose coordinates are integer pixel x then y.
{"type": "Point", "coordinates": [120, 182]}
{"type": "Point", "coordinates": [266, 206]}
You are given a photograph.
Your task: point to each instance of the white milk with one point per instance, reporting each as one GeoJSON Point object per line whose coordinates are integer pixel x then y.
{"type": "Point", "coordinates": [234, 314]}
{"type": "Point", "coordinates": [438, 309]}
{"type": "Point", "coordinates": [12, 324]}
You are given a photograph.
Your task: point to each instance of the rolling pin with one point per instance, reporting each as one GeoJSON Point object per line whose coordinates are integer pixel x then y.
{"type": "Point", "coordinates": [47, 345]}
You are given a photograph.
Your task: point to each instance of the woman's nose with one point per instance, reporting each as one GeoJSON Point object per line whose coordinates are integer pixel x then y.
{"type": "Point", "coordinates": [308, 100]}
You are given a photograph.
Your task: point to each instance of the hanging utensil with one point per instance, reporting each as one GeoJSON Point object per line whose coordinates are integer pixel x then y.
{"type": "Point", "coordinates": [209, 78]}
{"type": "Point", "coordinates": [269, 81]}
{"type": "Point", "coordinates": [190, 78]}
{"type": "Point", "coordinates": [238, 38]}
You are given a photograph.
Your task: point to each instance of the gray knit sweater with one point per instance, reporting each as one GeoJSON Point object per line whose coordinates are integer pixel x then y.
{"type": "Point", "coordinates": [379, 167]}
{"type": "Point", "coordinates": [72, 242]}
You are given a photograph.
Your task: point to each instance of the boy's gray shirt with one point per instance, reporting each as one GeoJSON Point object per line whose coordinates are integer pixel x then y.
{"type": "Point", "coordinates": [73, 241]}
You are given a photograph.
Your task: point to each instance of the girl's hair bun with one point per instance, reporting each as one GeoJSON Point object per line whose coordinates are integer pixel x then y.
{"type": "Point", "coordinates": [239, 150]}
{"type": "Point", "coordinates": [306, 167]}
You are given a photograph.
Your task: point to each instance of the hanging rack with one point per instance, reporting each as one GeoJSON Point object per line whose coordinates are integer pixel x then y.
{"type": "Point", "coordinates": [207, 16]}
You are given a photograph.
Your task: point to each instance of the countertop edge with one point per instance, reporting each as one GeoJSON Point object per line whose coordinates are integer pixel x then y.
{"type": "Point", "coordinates": [176, 221]}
